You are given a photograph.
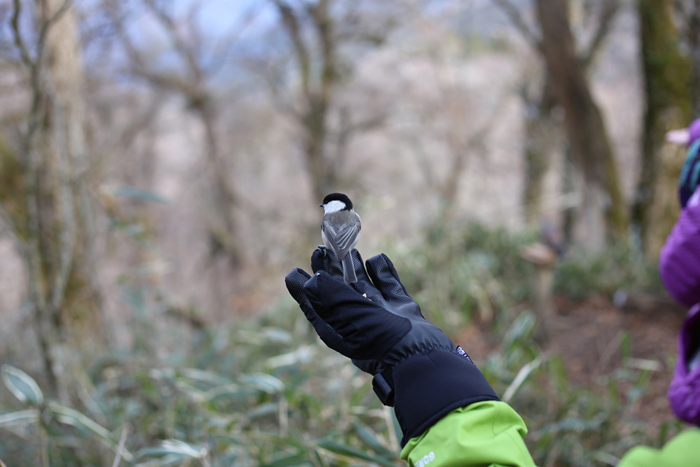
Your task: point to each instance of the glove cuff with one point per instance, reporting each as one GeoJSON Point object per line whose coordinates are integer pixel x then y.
{"type": "Point", "coordinates": [429, 386]}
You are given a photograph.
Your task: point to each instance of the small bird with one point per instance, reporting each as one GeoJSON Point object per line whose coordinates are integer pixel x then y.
{"type": "Point", "coordinates": [340, 230]}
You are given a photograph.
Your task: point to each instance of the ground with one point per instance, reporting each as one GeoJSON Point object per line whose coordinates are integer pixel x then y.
{"type": "Point", "coordinates": [589, 335]}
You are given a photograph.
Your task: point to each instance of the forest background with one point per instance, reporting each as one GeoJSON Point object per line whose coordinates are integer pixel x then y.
{"type": "Point", "coordinates": [161, 164]}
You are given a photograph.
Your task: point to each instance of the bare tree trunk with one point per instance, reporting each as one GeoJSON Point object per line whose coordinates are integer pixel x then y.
{"type": "Point", "coordinates": [55, 246]}
{"type": "Point", "coordinates": [665, 210]}
{"type": "Point", "coordinates": [694, 43]}
{"type": "Point", "coordinates": [666, 78]}
{"type": "Point", "coordinates": [590, 144]}
{"type": "Point", "coordinates": [65, 60]}
{"type": "Point", "coordinates": [568, 186]}
{"type": "Point", "coordinates": [540, 128]}
{"type": "Point", "coordinates": [222, 223]}
{"type": "Point", "coordinates": [44, 292]}
{"type": "Point", "coordinates": [540, 133]}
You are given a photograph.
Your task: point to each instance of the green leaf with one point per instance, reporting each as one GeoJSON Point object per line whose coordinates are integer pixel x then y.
{"type": "Point", "coordinates": [289, 461]}
{"type": "Point", "coordinates": [520, 378]}
{"type": "Point", "coordinates": [369, 437]}
{"type": "Point", "coordinates": [204, 377]}
{"type": "Point", "coordinates": [277, 335]}
{"type": "Point", "coordinates": [162, 462]}
{"type": "Point", "coordinates": [72, 417]}
{"type": "Point", "coordinates": [301, 355]}
{"type": "Point", "coordinates": [574, 425]}
{"type": "Point", "coordinates": [19, 418]}
{"type": "Point", "coordinates": [520, 329]}
{"type": "Point", "coordinates": [262, 410]}
{"type": "Point", "coordinates": [230, 390]}
{"type": "Point", "coordinates": [265, 383]}
{"type": "Point", "coordinates": [175, 447]}
{"type": "Point", "coordinates": [349, 451]}
{"type": "Point", "coordinates": [626, 346]}
{"type": "Point", "coordinates": [21, 385]}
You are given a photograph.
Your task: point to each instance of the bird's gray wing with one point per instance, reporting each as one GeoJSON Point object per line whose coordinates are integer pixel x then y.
{"type": "Point", "coordinates": [341, 237]}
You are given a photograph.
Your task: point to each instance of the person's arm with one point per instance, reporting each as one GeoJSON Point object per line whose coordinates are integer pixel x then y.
{"type": "Point", "coordinates": [485, 433]}
{"type": "Point", "coordinates": [680, 451]}
{"type": "Point", "coordinates": [448, 412]}
{"type": "Point", "coordinates": [679, 262]}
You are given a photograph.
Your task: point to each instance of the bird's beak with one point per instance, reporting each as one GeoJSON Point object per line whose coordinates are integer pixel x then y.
{"type": "Point", "coordinates": [320, 205]}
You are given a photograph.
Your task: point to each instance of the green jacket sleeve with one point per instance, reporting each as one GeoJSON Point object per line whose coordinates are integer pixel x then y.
{"type": "Point", "coordinates": [482, 434]}
{"type": "Point", "coordinates": [682, 450]}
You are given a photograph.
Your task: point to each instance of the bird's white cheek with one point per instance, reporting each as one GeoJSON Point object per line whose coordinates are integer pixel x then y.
{"type": "Point", "coordinates": [333, 206]}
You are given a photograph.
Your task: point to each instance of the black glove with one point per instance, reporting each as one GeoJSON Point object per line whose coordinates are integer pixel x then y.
{"type": "Point", "coordinates": [416, 367]}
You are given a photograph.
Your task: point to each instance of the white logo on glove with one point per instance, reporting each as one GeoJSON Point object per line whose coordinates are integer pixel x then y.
{"type": "Point", "coordinates": [425, 460]}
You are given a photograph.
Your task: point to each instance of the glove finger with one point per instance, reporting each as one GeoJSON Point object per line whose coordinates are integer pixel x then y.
{"type": "Point", "coordinates": [385, 278]}
{"type": "Point", "coordinates": [323, 259]}
{"type": "Point", "coordinates": [364, 285]}
{"type": "Point", "coordinates": [367, 330]}
{"type": "Point", "coordinates": [295, 281]}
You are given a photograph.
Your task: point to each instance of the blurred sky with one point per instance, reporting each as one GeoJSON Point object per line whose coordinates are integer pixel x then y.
{"type": "Point", "coordinates": [221, 15]}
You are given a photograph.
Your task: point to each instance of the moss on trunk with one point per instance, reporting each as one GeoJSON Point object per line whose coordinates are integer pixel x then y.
{"type": "Point", "coordinates": [668, 106]}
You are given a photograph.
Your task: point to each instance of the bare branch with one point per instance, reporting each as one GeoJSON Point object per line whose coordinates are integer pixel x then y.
{"type": "Point", "coordinates": [34, 65]}
{"type": "Point", "coordinates": [291, 24]}
{"type": "Point", "coordinates": [271, 75]}
{"type": "Point", "coordinates": [11, 229]}
{"type": "Point", "coordinates": [186, 52]}
{"type": "Point", "coordinates": [680, 6]}
{"type": "Point", "coordinates": [608, 13]}
{"type": "Point", "coordinates": [323, 25]}
{"type": "Point", "coordinates": [141, 122]}
{"type": "Point", "coordinates": [166, 80]}
{"type": "Point", "coordinates": [516, 18]}
{"type": "Point", "coordinates": [347, 129]}
{"type": "Point", "coordinates": [19, 41]}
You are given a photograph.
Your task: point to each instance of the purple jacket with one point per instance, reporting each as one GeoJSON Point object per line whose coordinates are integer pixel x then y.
{"type": "Point", "coordinates": [679, 266]}
{"type": "Point", "coordinates": [679, 263]}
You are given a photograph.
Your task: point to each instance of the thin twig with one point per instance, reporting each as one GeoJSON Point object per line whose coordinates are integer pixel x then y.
{"type": "Point", "coordinates": [120, 448]}
{"type": "Point", "coordinates": [291, 24]}
{"type": "Point", "coordinates": [19, 41]}
{"type": "Point", "coordinates": [606, 18]}
{"type": "Point", "coordinates": [181, 45]}
{"type": "Point", "coordinates": [516, 18]}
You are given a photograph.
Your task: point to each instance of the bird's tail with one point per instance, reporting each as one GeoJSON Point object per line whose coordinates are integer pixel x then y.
{"type": "Point", "coordinates": [349, 269]}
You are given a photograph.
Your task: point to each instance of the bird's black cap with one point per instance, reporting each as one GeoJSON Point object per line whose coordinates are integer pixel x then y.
{"type": "Point", "coordinates": [338, 197]}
